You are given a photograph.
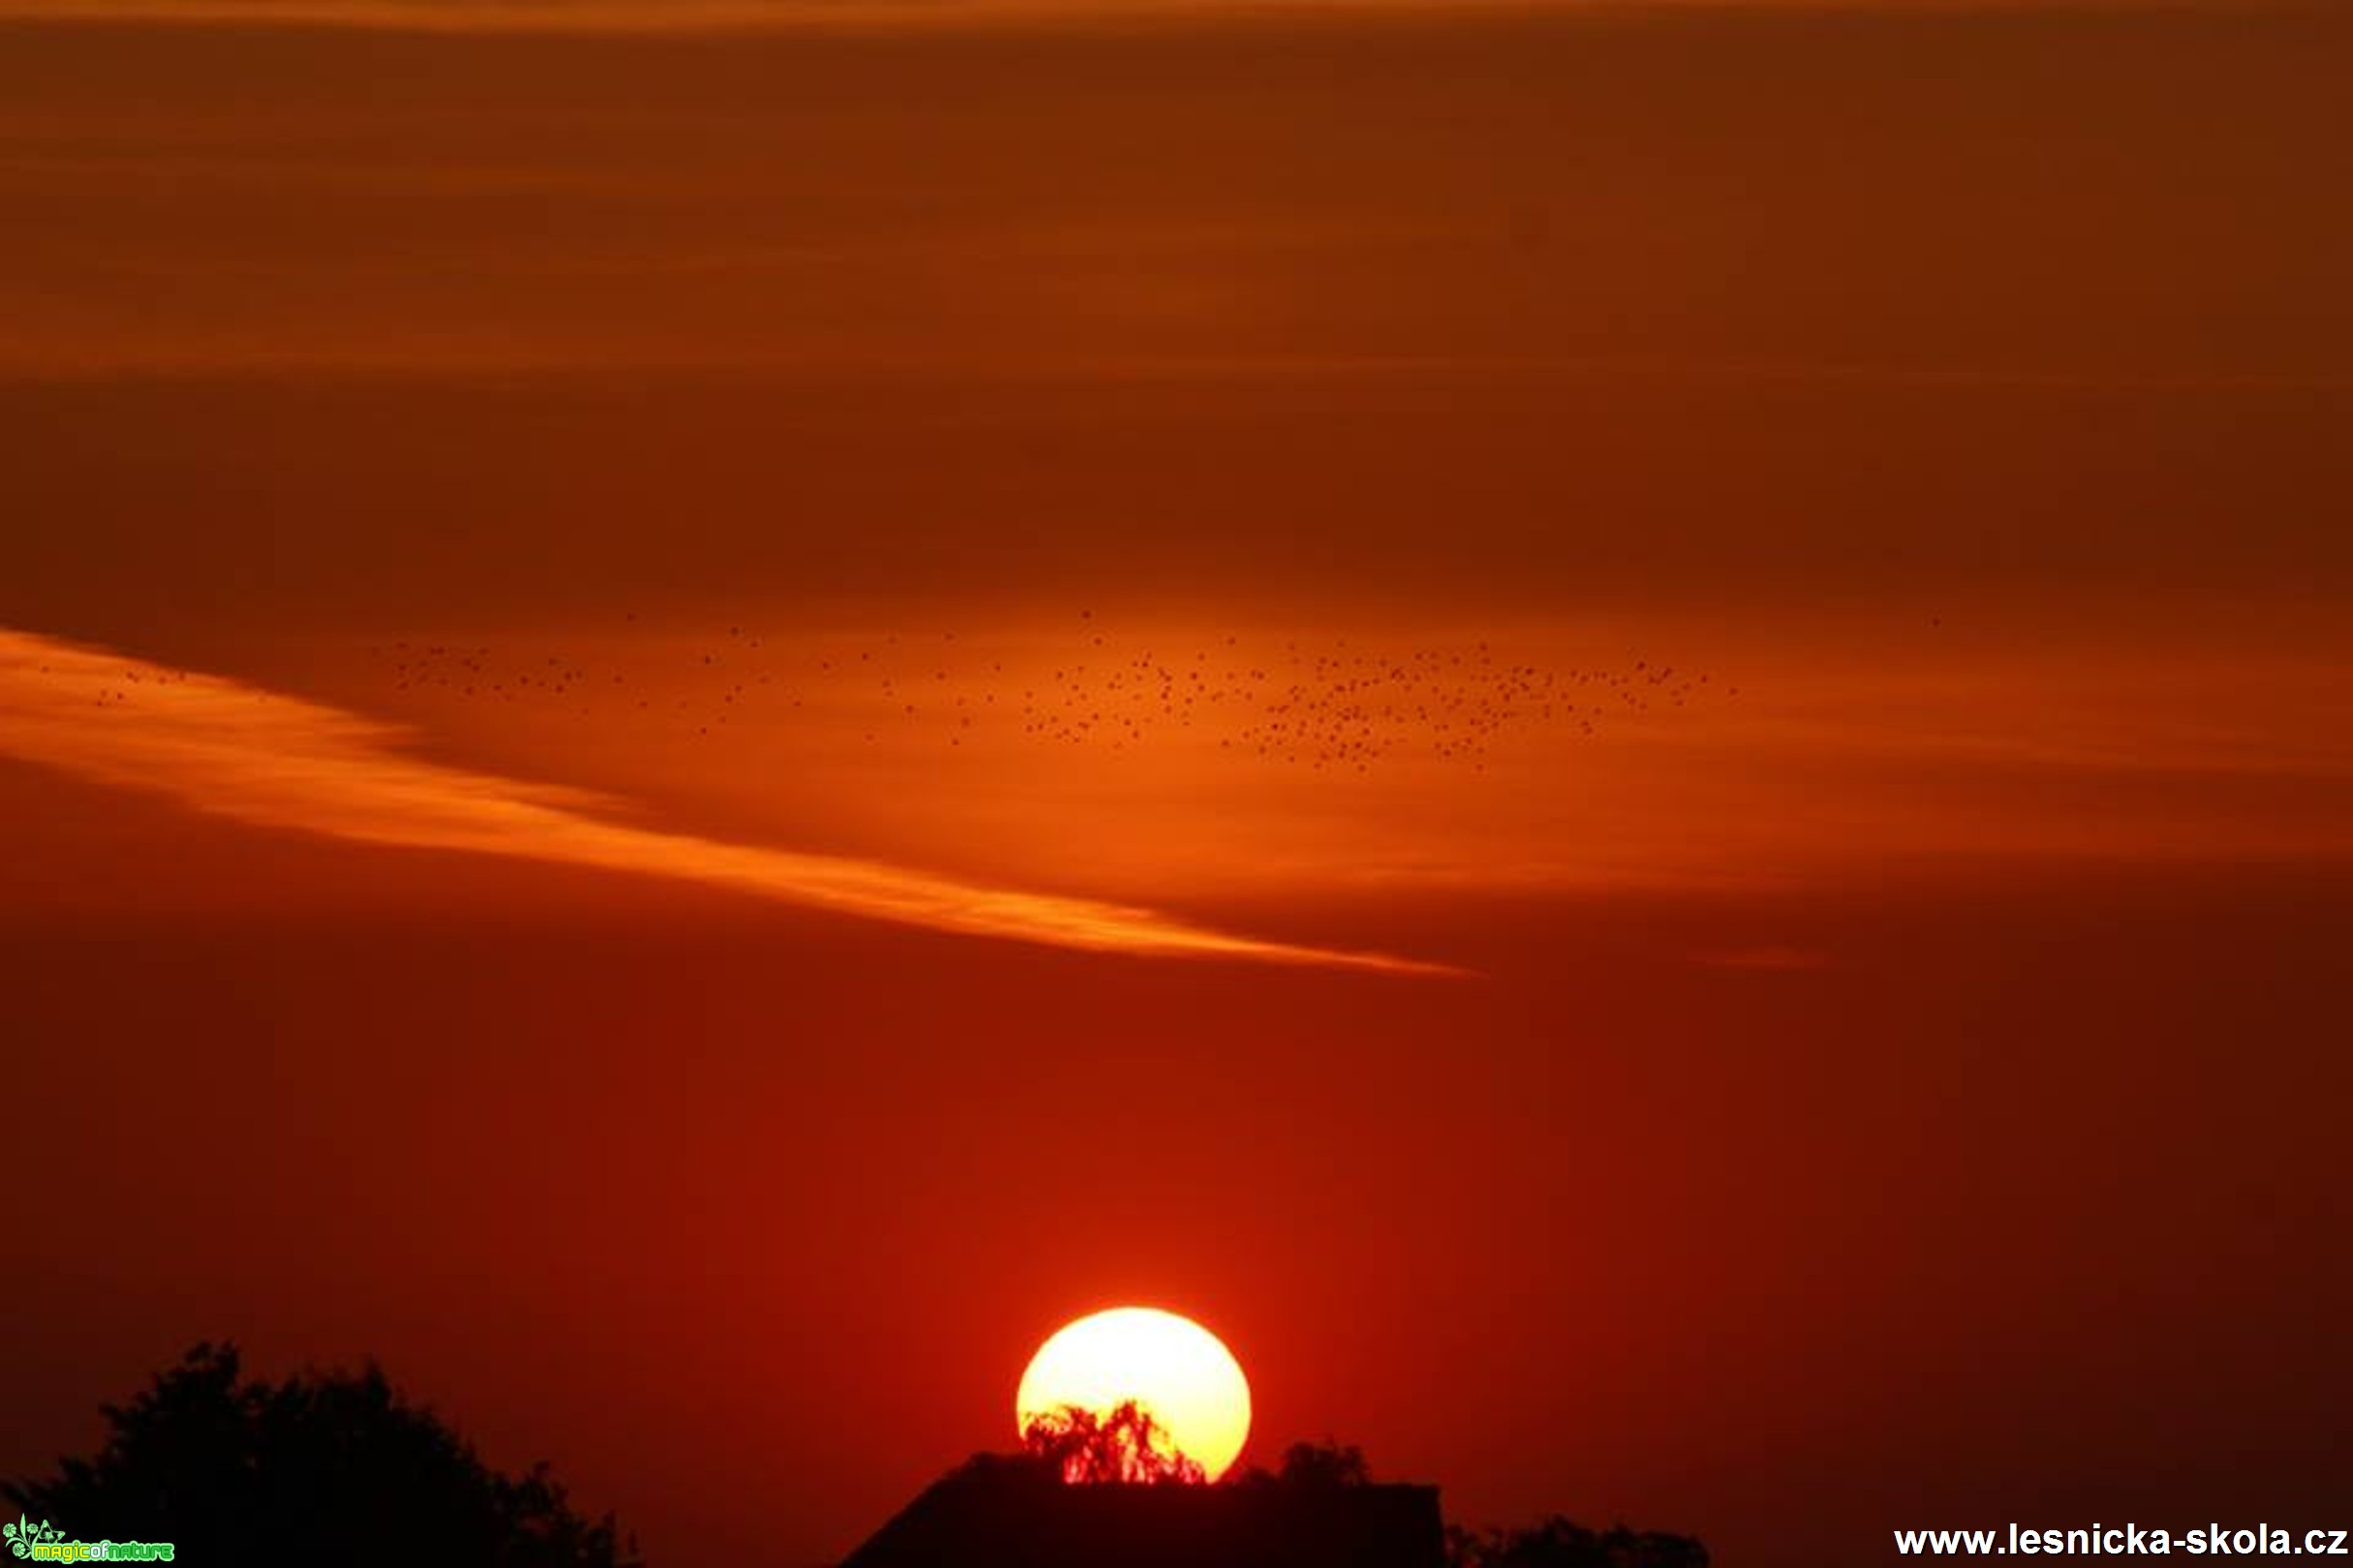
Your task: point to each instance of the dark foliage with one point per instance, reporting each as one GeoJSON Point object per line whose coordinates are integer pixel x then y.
{"type": "Point", "coordinates": [1312, 1466]}
{"type": "Point", "coordinates": [1559, 1544]}
{"type": "Point", "coordinates": [1126, 1445]}
{"type": "Point", "coordinates": [321, 1469]}
{"type": "Point", "coordinates": [1327, 1463]}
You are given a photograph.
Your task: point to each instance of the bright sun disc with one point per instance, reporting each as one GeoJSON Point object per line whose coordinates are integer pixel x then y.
{"type": "Point", "coordinates": [1173, 1368]}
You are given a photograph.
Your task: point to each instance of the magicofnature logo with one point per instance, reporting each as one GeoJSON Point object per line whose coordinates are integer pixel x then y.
{"type": "Point", "coordinates": [44, 1541]}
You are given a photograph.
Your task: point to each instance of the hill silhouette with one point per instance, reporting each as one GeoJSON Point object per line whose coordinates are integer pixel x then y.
{"type": "Point", "coordinates": [1103, 1492]}
{"type": "Point", "coordinates": [1016, 1511]}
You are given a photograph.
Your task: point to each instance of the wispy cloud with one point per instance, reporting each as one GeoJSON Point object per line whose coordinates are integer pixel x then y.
{"type": "Point", "coordinates": [739, 15]}
{"type": "Point", "coordinates": [260, 757]}
{"type": "Point", "coordinates": [675, 15]}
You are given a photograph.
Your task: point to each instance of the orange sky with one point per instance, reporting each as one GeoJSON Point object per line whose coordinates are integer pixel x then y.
{"type": "Point", "coordinates": [950, 478]}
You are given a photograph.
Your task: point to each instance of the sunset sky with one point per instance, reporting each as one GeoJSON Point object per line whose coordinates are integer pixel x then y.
{"type": "Point", "coordinates": [1625, 730]}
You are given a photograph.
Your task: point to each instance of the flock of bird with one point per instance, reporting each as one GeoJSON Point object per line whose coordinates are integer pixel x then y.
{"type": "Point", "coordinates": [120, 691]}
{"type": "Point", "coordinates": [1337, 706]}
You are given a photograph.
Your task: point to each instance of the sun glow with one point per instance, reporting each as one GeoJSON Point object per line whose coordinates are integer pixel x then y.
{"type": "Point", "coordinates": [1175, 1369]}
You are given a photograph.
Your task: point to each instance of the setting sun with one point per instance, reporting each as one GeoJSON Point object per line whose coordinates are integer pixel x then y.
{"type": "Point", "coordinates": [796, 703]}
{"type": "Point", "coordinates": [1175, 1369]}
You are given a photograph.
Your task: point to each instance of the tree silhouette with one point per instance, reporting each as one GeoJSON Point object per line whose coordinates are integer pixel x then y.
{"type": "Point", "coordinates": [326, 1468]}
{"type": "Point", "coordinates": [1559, 1544]}
{"type": "Point", "coordinates": [1309, 1467]}
{"type": "Point", "coordinates": [1126, 1445]}
{"type": "Point", "coordinates": [1328, 1464]}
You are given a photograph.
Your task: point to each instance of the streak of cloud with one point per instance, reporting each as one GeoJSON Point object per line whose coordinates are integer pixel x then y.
{"type": "Point", "coordinates": [581, 16]}
{"type": "Point", "coordinates": [685, 16]}
{"type": "Point", "coordinates": [241, 752]}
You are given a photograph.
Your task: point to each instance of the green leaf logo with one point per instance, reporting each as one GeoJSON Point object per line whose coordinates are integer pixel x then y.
{"type": "Point", "coordinates": [23, 1534]}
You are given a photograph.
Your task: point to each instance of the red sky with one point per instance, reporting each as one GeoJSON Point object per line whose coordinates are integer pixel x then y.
{"type": "Point", "coordinates": [1906, 1092]}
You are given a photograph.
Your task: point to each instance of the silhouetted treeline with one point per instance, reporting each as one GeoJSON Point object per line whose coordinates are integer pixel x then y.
{"type": "Point", "coordinates": [326, 1470]}
{"type": "Point", "coordinates": [1557, 1543]}
{"type": "Point", "coordinates": [335, 1469]}
{"type": "Point", "coordinates": [1327, 1463]}
{"type": "Point", "coordinates": [1127, 1446]}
